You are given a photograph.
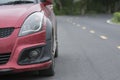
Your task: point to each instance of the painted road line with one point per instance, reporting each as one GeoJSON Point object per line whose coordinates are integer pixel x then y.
{"type": "Point", "coordinates": [92, 31]}
{"type": "Point", "coordinates": [118, 47]}
{"type": "Point", "coordinates": [110, 22]}
{"type": "Point", "coordinates": [84, 28]}
{"type": "Point", "coordinates": [103, 37]}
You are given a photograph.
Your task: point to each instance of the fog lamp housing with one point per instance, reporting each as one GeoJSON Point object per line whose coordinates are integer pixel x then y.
{"type": "Point", "coordinates": [34, 54]}
{"type": "Point", "coordinates": [30, 56]}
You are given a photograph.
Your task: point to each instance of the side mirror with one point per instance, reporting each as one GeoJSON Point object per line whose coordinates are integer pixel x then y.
{"type": "Point", "coordinates": [46, 2]}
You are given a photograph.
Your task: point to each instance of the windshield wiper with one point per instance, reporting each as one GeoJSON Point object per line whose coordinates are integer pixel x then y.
{"type": "Point", "coordinates": [16, 2]}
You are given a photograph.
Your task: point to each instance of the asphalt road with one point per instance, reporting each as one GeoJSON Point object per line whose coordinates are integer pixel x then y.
{"type": "Point", "coordinates": [89, 49]}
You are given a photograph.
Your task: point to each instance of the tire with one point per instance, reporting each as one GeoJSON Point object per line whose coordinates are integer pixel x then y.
{"type": "Point", "coordinates": [50, 71]}
{"type": "Point", "coordinates": [47, 72]}
{"type": "Point", "coordinates": [56, 51]}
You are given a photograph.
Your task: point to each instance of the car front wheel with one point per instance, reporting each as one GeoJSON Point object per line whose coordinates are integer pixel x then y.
{"type": "Point", "coordinates": [48, 72]}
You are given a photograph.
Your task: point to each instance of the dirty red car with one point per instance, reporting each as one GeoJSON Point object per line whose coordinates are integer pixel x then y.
{"type": "Point", "coordinates": [28, 36]}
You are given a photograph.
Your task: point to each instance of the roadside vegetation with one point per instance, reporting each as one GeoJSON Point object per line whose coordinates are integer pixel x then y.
{"type": "Point", "coordinates": [83, 7]}
{"type": "Point", "coordinates": [116, 18]}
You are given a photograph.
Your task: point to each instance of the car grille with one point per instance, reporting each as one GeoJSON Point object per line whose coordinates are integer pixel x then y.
{"type": "Point", "coordinates": [4, 58]}
{"type": "Point", "coordinates": [5, 32]}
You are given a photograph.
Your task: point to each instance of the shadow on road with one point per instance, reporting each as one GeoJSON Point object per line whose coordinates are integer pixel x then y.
{"type": "Point", "coordinates": [21, 76]}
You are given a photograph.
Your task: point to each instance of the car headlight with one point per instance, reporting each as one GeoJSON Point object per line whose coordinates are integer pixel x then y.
{"type": "Point", "coordinates": [32, 24]}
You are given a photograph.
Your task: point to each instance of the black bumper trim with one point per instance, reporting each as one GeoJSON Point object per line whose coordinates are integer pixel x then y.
{"type": "Point", "coordinates": [5, 71]}
{"type": "Point", "coordinates": [45, 54]}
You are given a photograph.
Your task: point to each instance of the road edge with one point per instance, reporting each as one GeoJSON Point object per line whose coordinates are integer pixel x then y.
{"type": "Point", "coordinates": [110, 22]}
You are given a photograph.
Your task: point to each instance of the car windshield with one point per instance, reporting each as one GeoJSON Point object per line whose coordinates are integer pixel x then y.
{"type": "Point", "coordinates": [10, 2]}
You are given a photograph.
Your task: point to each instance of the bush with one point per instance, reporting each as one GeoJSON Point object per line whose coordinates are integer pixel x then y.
{"type": "Point", "coordinates": [116, 17]}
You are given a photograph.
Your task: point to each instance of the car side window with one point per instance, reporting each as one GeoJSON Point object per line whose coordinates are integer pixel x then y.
{"type": "Point", "coordinates": [42, 0]}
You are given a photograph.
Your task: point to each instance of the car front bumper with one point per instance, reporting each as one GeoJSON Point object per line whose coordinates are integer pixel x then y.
{"type": "Point", "coordinates": [20, 44]}
{"type": "Point", "coordinates": [15, 69]}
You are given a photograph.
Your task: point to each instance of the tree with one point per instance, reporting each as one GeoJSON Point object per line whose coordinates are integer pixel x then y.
{"type": "Point", "coordinates": [87, 6]}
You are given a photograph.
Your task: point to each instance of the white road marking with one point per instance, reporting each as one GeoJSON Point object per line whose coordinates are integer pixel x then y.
{"type": "Point", "coordinates": [118, 47]}
{"type": "Point", "coordinates": [92, 31]}
{"type": "Point", "coordinates": [84, 28]}
{"type": "Point", "coordinates": [103, 37]}
{"type": "Point", "coordinates": [110, 22]}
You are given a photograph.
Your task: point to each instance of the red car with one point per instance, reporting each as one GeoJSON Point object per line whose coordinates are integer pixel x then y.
{"type": "Point", "coordinates": [28, 36]}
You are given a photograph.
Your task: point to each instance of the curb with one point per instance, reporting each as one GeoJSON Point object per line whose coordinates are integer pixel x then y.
{"type": "Point", "coordinates": [110, 22]}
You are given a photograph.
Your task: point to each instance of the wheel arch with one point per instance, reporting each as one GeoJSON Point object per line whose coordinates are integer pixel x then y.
{"type": "Point", "coordinates": [49, 29]}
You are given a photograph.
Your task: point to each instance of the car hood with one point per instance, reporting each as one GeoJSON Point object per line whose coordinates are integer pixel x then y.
{"type": "Point", "coordinates": [11, 15]}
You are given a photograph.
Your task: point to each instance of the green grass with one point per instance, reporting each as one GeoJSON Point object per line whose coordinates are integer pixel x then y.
{"type": "Point", "coordinates": [114, 21]}
{"type": "Point", "coordinates": [116, 17]}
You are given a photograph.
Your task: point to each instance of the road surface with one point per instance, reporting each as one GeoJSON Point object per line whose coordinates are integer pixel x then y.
{"type": "Point", "coordinates": [89, 49]}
